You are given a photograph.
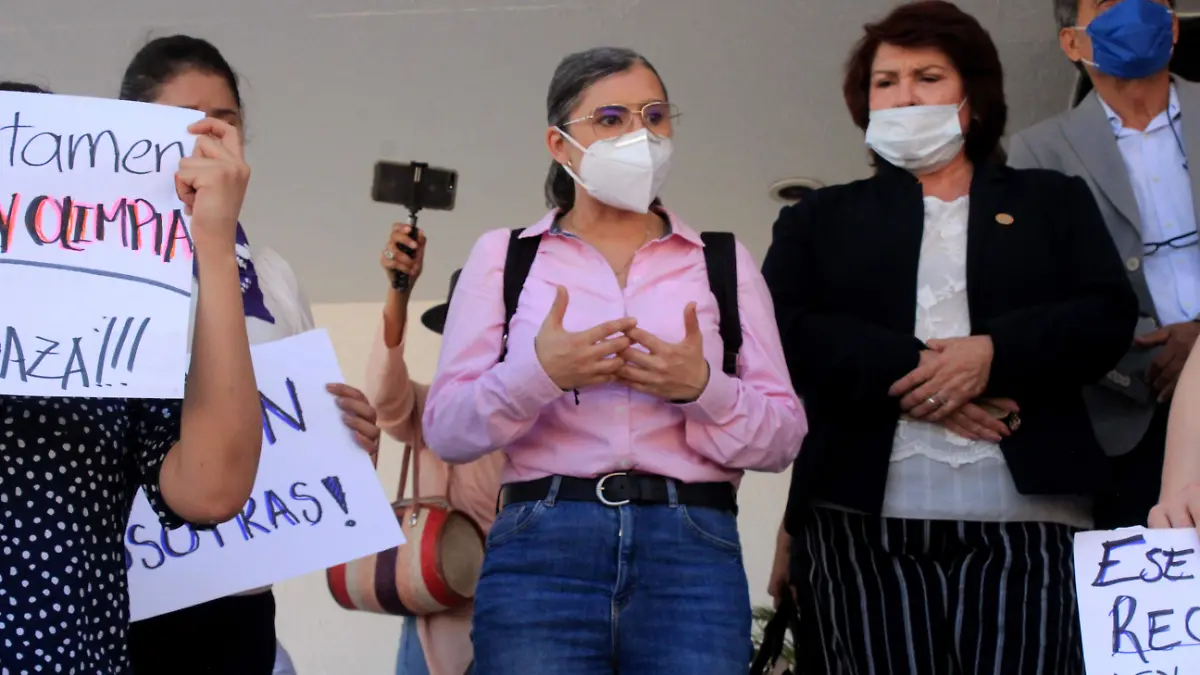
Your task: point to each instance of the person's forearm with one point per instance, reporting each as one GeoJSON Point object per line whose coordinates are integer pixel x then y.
{"type": "Point", "coordinates": [399, 402]}
{"type": "Point", "coordinates": [1182, 464]}
{"type": "Point", "coordinates": [395, 317]}
{"type": "Point", "coordinates": [208, 475]}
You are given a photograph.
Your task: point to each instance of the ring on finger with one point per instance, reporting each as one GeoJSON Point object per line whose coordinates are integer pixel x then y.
{"type": "Point", "coordinates": [935, 401]}
{"type": "Point", "coordinates": [389, 255]}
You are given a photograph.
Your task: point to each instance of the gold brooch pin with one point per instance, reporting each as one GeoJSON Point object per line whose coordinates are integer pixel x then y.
{"type": "Point", "coordinates": [1004, 219]}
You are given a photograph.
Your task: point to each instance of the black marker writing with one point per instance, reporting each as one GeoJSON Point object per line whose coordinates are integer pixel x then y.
{"type": "Point", "coordinates": [1163, 632]}
{"type": "Point", "coordinates": [1155, 629]}
{"type": "Point", "coordinates": [47, 148]}
{"type": "Point", "coordinates": [1121, 625]}
{"type": "Point", "coordinates": [67, 224]}
{"type": "Point", "coordinates": [6, 222]}
{"type": "Point", "coordinates": [1106, 562]}
{"type": "Point", "coordinates": [65, 360]}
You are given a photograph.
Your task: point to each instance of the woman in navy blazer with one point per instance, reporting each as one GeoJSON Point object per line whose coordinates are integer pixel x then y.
{"type": "Point", "coordinates": [939, 320]}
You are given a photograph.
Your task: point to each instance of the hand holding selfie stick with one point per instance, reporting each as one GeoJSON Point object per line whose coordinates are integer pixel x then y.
{"type": "Point", "coordinates": [415, 186]}
{"type": "Point", "coordinates": [400, 280]}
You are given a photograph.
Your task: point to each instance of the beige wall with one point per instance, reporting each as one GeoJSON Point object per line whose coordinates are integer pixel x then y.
{"type": "Point", "coordinates": [324, 639]}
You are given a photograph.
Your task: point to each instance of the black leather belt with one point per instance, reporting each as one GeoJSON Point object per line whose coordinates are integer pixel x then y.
{"type": "Point", "coordinates": [618, 489]}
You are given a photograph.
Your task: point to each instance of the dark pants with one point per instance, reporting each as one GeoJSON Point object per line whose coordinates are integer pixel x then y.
{"type": "Point", "coordinates": [1137, 479]}
{"type": "Point", "coordinates": [227, 636]}
{"type": "Point", "coordinates": [577, 588]}
{"type": "Point", "coordinates": [888, 596]}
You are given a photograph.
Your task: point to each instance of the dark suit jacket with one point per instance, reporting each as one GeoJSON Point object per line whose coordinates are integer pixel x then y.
{"type": "Point", "coordinates": [1048, 288]}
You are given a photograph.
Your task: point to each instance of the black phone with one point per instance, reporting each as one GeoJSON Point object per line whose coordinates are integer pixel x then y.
{"type": "Point", "coordinates": [414, 185]}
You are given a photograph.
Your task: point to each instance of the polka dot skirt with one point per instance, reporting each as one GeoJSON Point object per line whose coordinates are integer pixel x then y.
{"type": "Point", "coordinates": [69, 469]}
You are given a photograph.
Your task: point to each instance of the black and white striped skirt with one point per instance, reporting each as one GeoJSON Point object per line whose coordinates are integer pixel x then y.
{"type": "Point", "coordinates": [889, 596]}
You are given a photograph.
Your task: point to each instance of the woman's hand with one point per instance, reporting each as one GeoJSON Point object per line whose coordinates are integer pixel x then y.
{"type": "Point", "coordinates": [676, 372]}
{"type": "Point", "coordinates": [212, 185]}
{"type": "Point", "coordinates": [951, 373]}
{"type": "Point", "coordinates": [359, 416]}
{"type": "Point", "coordinates": [394, 260]}
{"type": "Point", "coordinates": [1177, 510]}
{"type": "Point", "coordinates": [974, 422]}
{"type": "Point", "coordinates": [574, 360]}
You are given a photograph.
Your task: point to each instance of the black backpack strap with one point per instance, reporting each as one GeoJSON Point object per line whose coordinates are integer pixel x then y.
{"type": "Point", "coordinates": [518, 262]}
{"type": "Point", "coordinates": [720, 256]}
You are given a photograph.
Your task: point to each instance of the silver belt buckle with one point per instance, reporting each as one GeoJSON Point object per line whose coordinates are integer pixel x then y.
{"type": "Point", "coordinates": [600, 490]}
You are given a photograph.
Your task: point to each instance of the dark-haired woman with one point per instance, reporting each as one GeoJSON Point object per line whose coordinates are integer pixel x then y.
{"type": "Point", "coordinates": [71, 466]}
{"type": "Point", "coordinates": [616, 547]}
{"type": "Point", "coordinates": [22, 87]}
{"type": "Point", "coordinates": [237, 632]}
{"type": "Point", "coordinates": [940, 319]}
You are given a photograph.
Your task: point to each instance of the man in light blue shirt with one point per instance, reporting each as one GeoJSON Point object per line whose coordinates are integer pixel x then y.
{"type": "Point", "coordinates": [1130, 140]}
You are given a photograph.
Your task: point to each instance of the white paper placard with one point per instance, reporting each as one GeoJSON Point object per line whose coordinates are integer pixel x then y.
{"type": "Point", "coordinates": [95, 259]}
{"type": "Point", "coordinates": [316, 500]}
{"type": "Point", "coordinates": [1139, 601]}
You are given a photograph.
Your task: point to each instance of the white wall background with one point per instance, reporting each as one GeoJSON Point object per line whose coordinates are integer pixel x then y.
{"type": "Point", "coordinates": [324, 639]}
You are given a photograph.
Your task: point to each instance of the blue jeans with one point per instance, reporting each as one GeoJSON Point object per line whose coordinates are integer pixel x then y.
{"type": "Point", "coordinates": [411, 660]}
{"type": "Point", "coordinates": [575, 588]}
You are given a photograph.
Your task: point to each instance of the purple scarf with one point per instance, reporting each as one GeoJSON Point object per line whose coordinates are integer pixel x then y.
{"type": "Point", "coordinates": [253, 304]}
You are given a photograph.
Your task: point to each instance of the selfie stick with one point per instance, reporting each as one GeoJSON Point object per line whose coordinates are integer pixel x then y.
{"type": "Point", "coordinates": [400, 280]}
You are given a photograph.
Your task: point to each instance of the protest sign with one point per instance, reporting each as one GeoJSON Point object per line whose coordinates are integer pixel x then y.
{"type": "Point", "coordinates": [95, 259]}
{"type": "Point", "coordinates": [316, 500]}
{"type": "Point", "coordinates": [1139, 601]}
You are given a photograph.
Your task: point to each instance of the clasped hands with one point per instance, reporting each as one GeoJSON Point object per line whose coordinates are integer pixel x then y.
{"type": "Point", "coordinates": [946, 386]}
{"type": "Point", "coordinates": [619, 351]}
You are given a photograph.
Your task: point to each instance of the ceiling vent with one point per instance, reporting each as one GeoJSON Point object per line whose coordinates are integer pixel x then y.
{"type": "Point", "coordinates": [792, 190]}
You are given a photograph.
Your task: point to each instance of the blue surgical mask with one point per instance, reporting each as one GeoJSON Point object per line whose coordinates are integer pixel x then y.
{"type": "Point", "coordinates": [1132, 40]}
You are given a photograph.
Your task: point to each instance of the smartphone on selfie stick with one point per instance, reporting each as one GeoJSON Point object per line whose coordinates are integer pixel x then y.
{"type": "Point", "coordinates": [416, 186]}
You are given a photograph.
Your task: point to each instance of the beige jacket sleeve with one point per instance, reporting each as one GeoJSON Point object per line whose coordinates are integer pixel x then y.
{"type": "Point", "coordinates": [399, 403]}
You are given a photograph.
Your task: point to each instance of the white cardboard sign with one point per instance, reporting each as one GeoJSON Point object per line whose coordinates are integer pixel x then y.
{"type": "Point", "coordinates": [1139, 601]}
{"type": "Point", "coordinates": [95, 255]}
{"type": "Point", "coordinates": [316, 500]}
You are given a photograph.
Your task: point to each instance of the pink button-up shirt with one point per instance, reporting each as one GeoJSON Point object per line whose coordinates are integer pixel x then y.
{"type": "Point", "coordinates": [476, 405]}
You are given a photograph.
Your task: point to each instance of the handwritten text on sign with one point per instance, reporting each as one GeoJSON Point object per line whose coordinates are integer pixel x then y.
{"type": "Point", "coordinates": [316, 501]}
{"type": "Point", "coordinates": [1139, 601]}
{"type": "Point", "coordinates": [95, 259]}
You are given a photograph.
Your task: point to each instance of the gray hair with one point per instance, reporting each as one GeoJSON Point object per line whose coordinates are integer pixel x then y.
{"type": "Point", "coordinates": [1066, 12]}
{"type": "Point", "coordinates": [574, 75]}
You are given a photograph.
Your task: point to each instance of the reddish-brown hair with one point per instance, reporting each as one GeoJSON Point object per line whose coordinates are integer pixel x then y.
{"type": "Point", "coordinates": [942, 26]}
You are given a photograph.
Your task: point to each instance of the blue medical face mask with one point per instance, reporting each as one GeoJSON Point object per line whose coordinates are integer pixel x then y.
{"type": "Point", "coordinates": [1132, 40]}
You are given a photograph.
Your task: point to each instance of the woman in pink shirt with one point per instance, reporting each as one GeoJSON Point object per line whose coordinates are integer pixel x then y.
{"type": "Point", "coordinates": [444, 646]}
{"type": "Point", "coordinates": [616, 547]}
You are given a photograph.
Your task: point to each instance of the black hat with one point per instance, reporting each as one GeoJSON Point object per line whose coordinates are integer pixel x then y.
{"type": "Point", "coordinates": [434, 318]}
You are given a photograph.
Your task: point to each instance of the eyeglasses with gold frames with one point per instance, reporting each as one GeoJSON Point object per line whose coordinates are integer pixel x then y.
{"type": "Point", "coordinates": [609, 121]}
